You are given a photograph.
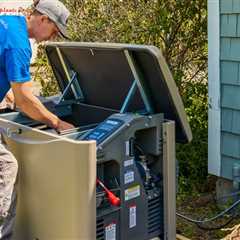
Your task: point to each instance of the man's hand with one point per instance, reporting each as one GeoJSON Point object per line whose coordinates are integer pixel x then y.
{"type": "Point", "coordinates": [63, 126]}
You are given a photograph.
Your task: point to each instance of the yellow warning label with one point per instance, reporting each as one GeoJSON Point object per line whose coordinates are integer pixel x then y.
{"type": "Point", "coordinates": [132, 192]}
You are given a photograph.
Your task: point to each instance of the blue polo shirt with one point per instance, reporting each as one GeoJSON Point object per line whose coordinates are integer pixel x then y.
{"type": "Point", "coordinates": [15, 52]}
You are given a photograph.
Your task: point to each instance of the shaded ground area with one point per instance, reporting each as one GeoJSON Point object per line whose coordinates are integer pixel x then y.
{"type": "Point", "coordinates": [204, 207]}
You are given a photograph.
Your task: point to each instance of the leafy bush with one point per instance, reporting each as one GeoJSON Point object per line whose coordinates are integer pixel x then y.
{"type": "Point", "coordinates": [179, 28]}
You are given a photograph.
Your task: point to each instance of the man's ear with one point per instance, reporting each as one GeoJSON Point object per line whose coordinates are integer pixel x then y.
{"type": "Point", "coordinates": [44, 18]}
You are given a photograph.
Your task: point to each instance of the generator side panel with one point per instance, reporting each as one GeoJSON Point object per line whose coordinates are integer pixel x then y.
{"type": "Point", "coordinates": [142, 206]}
{"type": "Point", "coordinates": [132, 168]}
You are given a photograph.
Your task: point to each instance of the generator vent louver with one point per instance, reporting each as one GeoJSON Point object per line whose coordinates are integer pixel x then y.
{"type": "Point", "coordinates": [154, 215]}
{"type": "Point", "coordinates": [100, 229]}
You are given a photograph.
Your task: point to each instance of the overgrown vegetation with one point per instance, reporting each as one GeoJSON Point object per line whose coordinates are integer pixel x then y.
{"type": "Point", "coordinates": [179, 28]}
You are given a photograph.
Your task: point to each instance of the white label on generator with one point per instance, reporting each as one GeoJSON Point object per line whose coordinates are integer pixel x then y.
{"type": "Point", "coordinates": [128, 163]}
{"type": "Point", "coordinates": [132, 192]}
{"type": "Point", "coordinates": [127, 148]}
{"type": "Point", "coordinates": [110, 232]}
{"type": "Point", "coordinates": [129, 177]}
{"type": "Point", "coordinates": [132, 216]}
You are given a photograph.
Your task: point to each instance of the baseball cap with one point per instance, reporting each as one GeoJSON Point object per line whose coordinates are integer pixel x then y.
{"type": "Point", "coordinates": [56, 11]}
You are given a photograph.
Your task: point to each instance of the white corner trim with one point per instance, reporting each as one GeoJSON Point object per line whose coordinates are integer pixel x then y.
{"type": "Point", "coordinates": [214, 113]}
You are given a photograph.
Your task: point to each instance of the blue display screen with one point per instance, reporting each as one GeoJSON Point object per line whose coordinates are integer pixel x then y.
{"type": "Point", "coordinates": [104, 130]}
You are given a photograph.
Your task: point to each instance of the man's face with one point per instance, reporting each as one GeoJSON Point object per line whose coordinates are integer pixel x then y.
{"type": "Point", "coordinates": [43, 28]}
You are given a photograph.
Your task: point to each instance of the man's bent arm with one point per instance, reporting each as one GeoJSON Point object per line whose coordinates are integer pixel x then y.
{"type": "Point", "coordinates": [31, 106]}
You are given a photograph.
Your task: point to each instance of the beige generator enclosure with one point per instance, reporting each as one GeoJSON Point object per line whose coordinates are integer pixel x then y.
{"type": "Point", "coordinates": [112, 177]}
{"type": "Point", "coordinates": [56, 185]}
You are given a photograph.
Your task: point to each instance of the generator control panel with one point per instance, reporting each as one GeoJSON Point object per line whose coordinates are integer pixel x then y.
{"type": "Point", "coordinates": [104, 130]}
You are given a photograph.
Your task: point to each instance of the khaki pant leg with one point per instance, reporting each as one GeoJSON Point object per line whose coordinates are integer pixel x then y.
{"type": "Point", "coordinates": [8, 175]}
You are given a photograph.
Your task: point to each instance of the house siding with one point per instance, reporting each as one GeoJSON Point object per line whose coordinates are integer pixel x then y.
{"type": "Point", "coordinates": [230, 85]}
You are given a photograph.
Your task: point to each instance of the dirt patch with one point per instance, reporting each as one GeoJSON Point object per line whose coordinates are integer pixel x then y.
{"type": "Point", "coordinates": [204, 207]}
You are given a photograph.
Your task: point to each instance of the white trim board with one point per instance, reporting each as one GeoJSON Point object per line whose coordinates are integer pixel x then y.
{"type": "Point", "coordinates": [214, 122]}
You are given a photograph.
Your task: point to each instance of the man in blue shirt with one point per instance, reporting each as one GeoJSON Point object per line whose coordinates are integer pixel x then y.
{"type": "Point", "coordinates": [48, 19]}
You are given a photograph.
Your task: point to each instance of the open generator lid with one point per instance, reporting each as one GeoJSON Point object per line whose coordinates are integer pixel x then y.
{"type": "Point", "coordinates": [123, 77]}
